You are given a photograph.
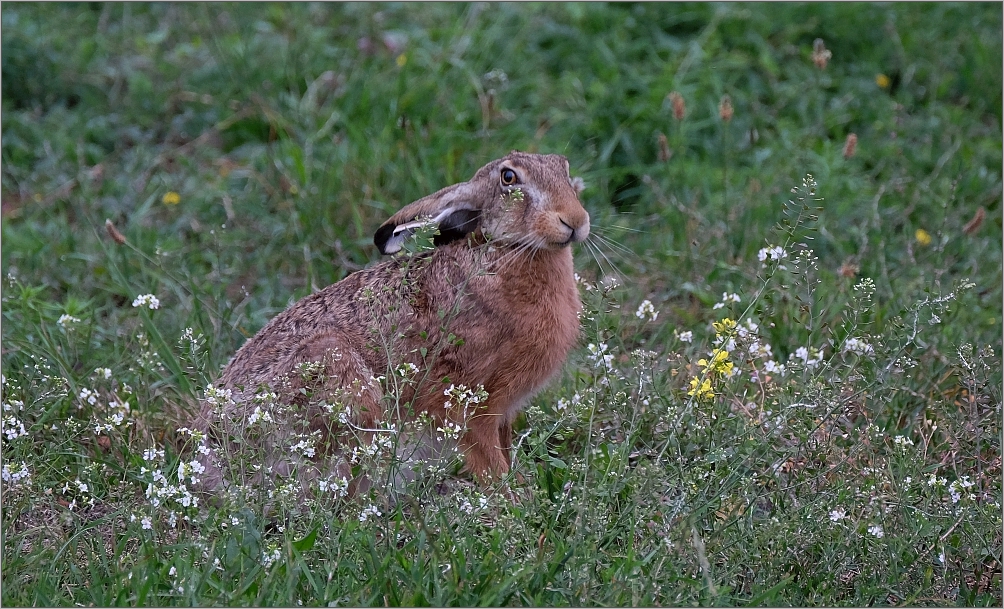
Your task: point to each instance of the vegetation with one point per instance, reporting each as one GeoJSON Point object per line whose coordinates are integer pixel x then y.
{"type": "Point", "coordinates": [825, 432]}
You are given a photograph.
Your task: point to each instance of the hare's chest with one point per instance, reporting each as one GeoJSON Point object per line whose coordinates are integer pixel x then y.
{"type": "Point", "coordinates": [537, 340]}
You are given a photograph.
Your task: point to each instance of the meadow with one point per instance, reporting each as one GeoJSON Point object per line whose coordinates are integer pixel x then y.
{"type": "Point", "coordinates": [788, 386]}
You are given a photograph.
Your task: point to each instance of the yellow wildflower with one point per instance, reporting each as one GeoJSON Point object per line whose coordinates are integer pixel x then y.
{"type": "Point", "coordinates": [171, 198]}
{"type": "Point", "coordinates": [401, 60]}
{"type": "Point", "coordinates": [923, 237]}
{"type": "Point", "coordinates": [724, 326]}
{"type": "Point", "coordinates": [882, 80]}
{"type": "Point", "coordinates": [701, 389]}
{"type": "Point", "coordinates": [719, 362]}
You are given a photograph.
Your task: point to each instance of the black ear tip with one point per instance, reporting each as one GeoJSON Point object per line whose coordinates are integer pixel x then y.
{"type": "Point", "coordinates": [382, 236]}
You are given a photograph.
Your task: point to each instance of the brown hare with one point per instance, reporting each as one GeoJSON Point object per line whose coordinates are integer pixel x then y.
{"type": "Point", "coordinates": [494, 304]}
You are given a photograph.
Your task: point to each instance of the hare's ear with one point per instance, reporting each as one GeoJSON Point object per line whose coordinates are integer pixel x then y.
{"type": "Point", "coordinates": [452, 208]}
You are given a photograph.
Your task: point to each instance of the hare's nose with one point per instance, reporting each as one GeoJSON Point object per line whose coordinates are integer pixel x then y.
{"type": "Point", "coordinates": [576, 235]}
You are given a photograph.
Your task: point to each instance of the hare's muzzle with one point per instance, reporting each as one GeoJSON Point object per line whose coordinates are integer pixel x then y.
{"type": "Point", "coordinates": [577, 229]}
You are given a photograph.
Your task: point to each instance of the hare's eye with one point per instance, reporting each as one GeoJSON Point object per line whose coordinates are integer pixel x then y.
{"type": "Point", "coordinates": [508, 177]}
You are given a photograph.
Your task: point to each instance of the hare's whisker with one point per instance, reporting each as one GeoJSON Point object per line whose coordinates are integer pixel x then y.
{"type": "Point", "coordinates": [610, 227]}
{"type": "Point", "coordinates": [610, 262]}
{"type": "Point", "coordinates": [613, 244]}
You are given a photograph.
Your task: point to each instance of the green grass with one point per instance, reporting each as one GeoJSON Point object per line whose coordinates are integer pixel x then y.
{"type": "Point", "coordinates": [290, 132]}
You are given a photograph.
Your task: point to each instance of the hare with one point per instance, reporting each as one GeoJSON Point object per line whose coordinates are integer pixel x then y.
{"type": "Point", "coordinates": [494, 304]}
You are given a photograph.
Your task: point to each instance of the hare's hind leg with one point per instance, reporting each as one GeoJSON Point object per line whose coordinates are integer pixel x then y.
{"type": "Point", "coordinates": [485, 449]}
{"type": "Point", "coordinates": [345, 402]}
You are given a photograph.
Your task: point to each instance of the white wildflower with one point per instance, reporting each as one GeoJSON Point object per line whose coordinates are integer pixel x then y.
{"type": "Point", "coordinates": [368, 512]}
{"type": "Point", "coordinates": [685, 337]}
{"type": "Point", "coordinates": [146, 300]}
{"type": "Point", "coordinates": [407, 370]}
{"type": "Point", "coordinates": [13, 428]}
{"type": "Point", "coordinates": [89, 396]}
{"type": "Point", "coordinates": [449, 431]}
{"type": "Point", "coordinates": [771, 253]}
{"type": "Point", "coordinates": [838, 514]}
{"type": "Point", "coordinates": [876, 530]}
{"type": "Point", "coordinates": [727, 298]}
{"type": "Point", "coordinates": [15, 478]}
{"type": "Point", "coordinates": [858, 346]}
{"type": "Point", "coordinates": [259, 415]}
{"type": "Point", "coordinates": [810, 356]}
{"type": "Point", "coordinates": [646, 309]}
{"type": "Point", "coordinates": [67, 320]}
{"type": "Point", "coordinates": [772, 367]}
{"type": "Point", "coordinates": [600, 355]}
{"type": "Point", "coordinates": [270, 557]}
{"type": "Point", "coordinates": [305, 447]}
{"type": "Point", "coordinates": [760, 350]}
{"type": "Point", "coordinates": [338, 487]}
{"type": "Point", "coordinates": [190, 470]}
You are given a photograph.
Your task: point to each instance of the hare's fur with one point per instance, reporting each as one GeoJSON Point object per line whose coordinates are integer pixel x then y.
{"type": "Point", "coordinates": [504, 290]}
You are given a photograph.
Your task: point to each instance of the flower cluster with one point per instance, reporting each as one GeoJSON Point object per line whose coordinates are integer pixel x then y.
{"type": "Point", "coordinates": [717, 365]}
{"type": "Point", "coordinates": [469, 508]}
{"type": "Point", "coordinates": [146, 300]}
{"type": "Point", "coordinates": [646, 309]}
{"type": "Point", "coordinates": [16, 477]}
{"type": "Point", "coordinates": [960, 486]}
{"type": "Point", "coordinates": [118, 411]}
{"type": "Point", "coordinates": [775, 253]}
{"type": "Point", "coordinates": [368, 512]}
{"type": "Point", "coordinates": [65, 321]}
{"type": "Point", "coordinates": [810, 356]}
{"type": "Point", "coordinates": [339, 487]}
{"type": "Point", "coordinates": [726, 298]}
{"type": "Point", "coordinates": [259, 415]}
{"type": "Point", "coordinates": [13, 428]}
{"type": "Point", "coordinates": [601, 356]}
{"type": "Point", "coordinates": [307, 444]}
{"type": "Point", "coordinates": [563, 404]}
{"type": "Point", "coordinates": [464, 398]}
{"type": "Point", "coordinates": [858, 346]}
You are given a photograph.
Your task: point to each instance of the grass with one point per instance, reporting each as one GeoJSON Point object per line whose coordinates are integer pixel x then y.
{"type": "Point", "coordinates": [244, 155]}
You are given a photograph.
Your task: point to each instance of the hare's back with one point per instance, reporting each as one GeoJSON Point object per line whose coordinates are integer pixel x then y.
{"type": "Point", "coordinates": [335, 316]}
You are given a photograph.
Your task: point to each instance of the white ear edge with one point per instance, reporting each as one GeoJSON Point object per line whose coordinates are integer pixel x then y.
{"type": "Point", "coordinates": [403, 231]}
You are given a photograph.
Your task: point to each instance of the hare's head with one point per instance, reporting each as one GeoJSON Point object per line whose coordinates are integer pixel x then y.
{"type": "Point", "coordinates": [525, 199]}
